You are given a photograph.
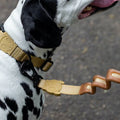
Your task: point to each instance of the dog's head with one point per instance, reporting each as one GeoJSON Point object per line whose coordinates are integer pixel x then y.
{"type": "Point", "coordinates": [43, 20]}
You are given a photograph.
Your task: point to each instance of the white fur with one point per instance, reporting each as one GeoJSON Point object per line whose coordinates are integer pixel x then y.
{"type": "Point", "coordinates": [10, 79]}
{"type": "Point", "coordinates": [14, 28]}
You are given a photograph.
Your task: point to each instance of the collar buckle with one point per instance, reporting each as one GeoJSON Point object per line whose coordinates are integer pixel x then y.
{"type": "Point", "coordinates": [47, 65]}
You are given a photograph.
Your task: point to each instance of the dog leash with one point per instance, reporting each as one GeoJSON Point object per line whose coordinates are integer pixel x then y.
{"type": "Point", "coordinates": [56, 87]}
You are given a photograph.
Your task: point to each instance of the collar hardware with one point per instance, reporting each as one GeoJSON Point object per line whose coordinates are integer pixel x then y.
{"type": "Point", "coordinates": [47, 65]}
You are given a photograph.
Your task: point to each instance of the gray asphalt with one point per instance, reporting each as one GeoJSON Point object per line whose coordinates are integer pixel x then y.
{"type": "Point", "coordinates": [89, 47]}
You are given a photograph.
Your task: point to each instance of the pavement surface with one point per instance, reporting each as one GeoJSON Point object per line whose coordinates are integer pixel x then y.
{"type": "Point", "coordinates": [89, 47]}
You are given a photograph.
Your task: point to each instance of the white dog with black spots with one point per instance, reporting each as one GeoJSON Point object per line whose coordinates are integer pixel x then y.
{"type": "Point", "coordinates": [36, 26]}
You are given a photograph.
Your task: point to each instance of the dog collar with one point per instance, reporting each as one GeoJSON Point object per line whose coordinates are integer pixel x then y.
{"type": "Point", "coordinates": [10, 47]}
{"type": "Point", "coordinates": [57, 87]}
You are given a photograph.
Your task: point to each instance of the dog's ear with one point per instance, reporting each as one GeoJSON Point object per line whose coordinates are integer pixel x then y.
{"type": "Point", "coordinates": [39, 27]}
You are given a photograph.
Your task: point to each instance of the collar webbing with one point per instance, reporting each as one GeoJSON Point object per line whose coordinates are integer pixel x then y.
{"type": "Point", "coordinates": [10, 47]}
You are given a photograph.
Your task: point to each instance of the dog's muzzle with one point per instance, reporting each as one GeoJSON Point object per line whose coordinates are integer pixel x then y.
{"type": "Point", "coordinates": [97, 6]}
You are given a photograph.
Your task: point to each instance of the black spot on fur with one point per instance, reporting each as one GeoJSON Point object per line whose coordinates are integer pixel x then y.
{"type": "Point", "coordinates": [11, 116]}
{"type": "Point", "coordinates": [39, 28]}
{"type": "Point", "coordinates": [36, 112]}
{"type": "Point", "coordinates": [44, 55]}
{"type": "Point", "coordinates": [49, 53]}
{"type": "Point", "coordinates": [11, 104]}
{"type": "Point", "coordinates": [27, 89]}
{"type": "Point", "coordinates": [2, 105]}
{"type": "Point", "coordinates": [29, 103]}
{"type": "Point", "coordinates": [2, 27]}
{"type": "Point", "coordinates": [41, 101]}
{"type": "Point", "coordinates": [25, 113]}
{"type": "Point", "coordinates": [31, 47]}
{"type": "Point", "coordinates": [38, 91]}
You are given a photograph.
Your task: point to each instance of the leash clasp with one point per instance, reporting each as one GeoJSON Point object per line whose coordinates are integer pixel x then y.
{"type": "Point", "coordinates": [51, 86]}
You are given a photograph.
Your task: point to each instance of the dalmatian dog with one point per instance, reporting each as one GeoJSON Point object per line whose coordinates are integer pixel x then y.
{"type": "Point", "coordinates": [36, 26]}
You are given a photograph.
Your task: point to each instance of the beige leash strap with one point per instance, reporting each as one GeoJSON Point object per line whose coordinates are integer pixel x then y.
{"type": "Point", "coordinates": [10, 47]}
{"type": "Point", "coordinates": [58, 87]}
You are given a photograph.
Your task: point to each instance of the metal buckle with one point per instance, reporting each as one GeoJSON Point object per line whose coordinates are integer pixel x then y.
{"type": "Point", "coordinates": [47, 65]}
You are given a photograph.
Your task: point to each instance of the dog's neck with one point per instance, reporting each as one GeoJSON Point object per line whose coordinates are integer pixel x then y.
{"type": "Point", "coordinates": [13, 26]}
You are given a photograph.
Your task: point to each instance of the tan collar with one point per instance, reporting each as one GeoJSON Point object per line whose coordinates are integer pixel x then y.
{"type": "Point", "coordinates": [8, 46]}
